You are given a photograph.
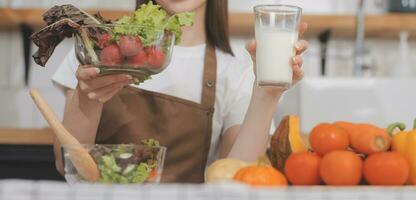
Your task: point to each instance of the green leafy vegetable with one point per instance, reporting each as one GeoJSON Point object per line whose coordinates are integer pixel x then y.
{"type": "Point", "coordinates": [175, 23]}
{"type": "Point", "coordinates": [122, 149]}
{"type": "Point", "coordinates": [141, 173]}
{"type": "Point", "coordinates": [150, 143]}
{"type": "Point", "coordinates": [132, 174]}
{"type": "Point", "coordinates": [126, 164]}
{"type": "Point", "coordinates": [150, 21]}
{"type": "Point", "coordinates": [110, 163]}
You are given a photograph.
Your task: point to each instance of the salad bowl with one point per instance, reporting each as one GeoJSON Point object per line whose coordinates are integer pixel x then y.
{"type": "Point", "coordinates": [121, 49]}
{"type": "Point", "coordinates": [139, 44]}
{"type": "Point", "coordinates": [120, 163]}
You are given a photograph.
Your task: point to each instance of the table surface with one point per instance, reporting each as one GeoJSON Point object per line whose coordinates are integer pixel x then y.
{"type": "Point", "coordinates": [32, 190]}
{"type": "Point", "coordinates": [14, 136]}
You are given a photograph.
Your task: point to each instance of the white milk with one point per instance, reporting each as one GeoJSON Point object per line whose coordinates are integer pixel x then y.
{"type": "Point", "coordinates": [275, 49]}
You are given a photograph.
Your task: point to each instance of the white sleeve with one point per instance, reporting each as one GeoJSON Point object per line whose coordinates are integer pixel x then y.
{"type": "Point", "coordinates": [64, 77]}
{"type": "Point", "coordinates": [239, 97]}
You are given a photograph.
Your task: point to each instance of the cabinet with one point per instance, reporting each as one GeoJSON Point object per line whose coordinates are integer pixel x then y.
{"type": "Point", "coordinates": [28, 162]}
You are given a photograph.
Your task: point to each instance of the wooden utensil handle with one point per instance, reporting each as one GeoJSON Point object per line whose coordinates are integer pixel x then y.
{"type": "Point", "coordinates": [79, 156]}
{"type": "Point", "coordinates": [64, 137]}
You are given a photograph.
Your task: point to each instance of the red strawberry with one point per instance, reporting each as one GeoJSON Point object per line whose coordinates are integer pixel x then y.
{"type": "Point", "coordinates": [111, 56]}
{"type": "Point", "coordinates": [104, 40]}
{"type": "Point", "coordinates": [139, 60]}
{"type": "Point", "coordinates": [156, 57]}
{"type": "Point", "coordinates": [130, 46]}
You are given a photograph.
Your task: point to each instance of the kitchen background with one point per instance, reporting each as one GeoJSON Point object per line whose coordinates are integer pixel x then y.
{"type": "Point", "coordinates": [380, 90]}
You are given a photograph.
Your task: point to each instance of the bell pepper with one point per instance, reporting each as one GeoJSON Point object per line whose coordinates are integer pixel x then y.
{"type": "Point", "coordinates": [404, 142]}
{"type": "Point", "coordinates": [399, 138]}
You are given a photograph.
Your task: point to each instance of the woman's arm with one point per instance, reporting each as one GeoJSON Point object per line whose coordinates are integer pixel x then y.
{"type": "Point", "coordinates": [249, 140]}
{"type": "Point", "coordinates": [81, 119]}
{"type": "Point", "coordinates": [84, 105]}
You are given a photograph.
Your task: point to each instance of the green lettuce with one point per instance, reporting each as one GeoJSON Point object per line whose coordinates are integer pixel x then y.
{"type": "Point", "coordinates": [140, 174]}
{"type": "Point", "coordinates": [110, 163]}
{"type": "Point", "coordinates": [111, 173]}
{"type": "Point", "coordinates": [150, 21]}
{"type": "Point", "coordinates": [150, 143]}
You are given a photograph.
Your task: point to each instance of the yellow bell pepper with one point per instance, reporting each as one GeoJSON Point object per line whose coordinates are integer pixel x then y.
{"type": "Point", "coordinates": [404, 142]}
{"type": "Point", "coordinates": [399, 139]}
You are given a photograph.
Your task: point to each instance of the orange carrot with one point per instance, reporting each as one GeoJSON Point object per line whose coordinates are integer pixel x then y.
{"type": "Point", "coordinates": [366, 138]}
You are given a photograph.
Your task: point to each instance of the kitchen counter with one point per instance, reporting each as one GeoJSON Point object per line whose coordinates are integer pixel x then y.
{"type": "Point", "coordinates": [27, 154]}
{"type": "Point", "coordinates": [10, 136]}
{"type": "Point", "coordinates": [28, 190]}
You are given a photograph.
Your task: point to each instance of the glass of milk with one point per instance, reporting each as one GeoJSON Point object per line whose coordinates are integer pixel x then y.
{"type": "Point", "coordinates": [277, 30]}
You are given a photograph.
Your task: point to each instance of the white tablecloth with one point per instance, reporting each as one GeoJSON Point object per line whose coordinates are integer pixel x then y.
{"type": "Point", "coordinates": [31, 190]}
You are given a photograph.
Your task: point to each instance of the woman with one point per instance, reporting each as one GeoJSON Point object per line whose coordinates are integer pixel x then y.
{"type": "Point", "coordinates": [204, 106]}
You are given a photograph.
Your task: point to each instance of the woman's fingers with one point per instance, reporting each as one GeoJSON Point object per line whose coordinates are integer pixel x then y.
{"type": "Point", "coordinates": [104, 98]}
{"type": "Point", "coordinates": [251, 48]}
{"type": "Point", "coordinates": [301, 46]}
{"type": "Point", "coordinates": [108, 80]}
{"type": "Point", "coordinates": [87, 73]}
{"type": "Point", "coordinates": [303, 27]}
{"type": "Point", "coordinates": [103, 81]}
{"type": "Point", "coordinates": [101, 88]}
{"type": "Point", "coordinates": [108, 96]}
{"type": "Point", "coordinates": [298, 73]}
{"type": "Point", "coordinates": [108, 91]}
{"type": "Point", "coordinates": [297, 61]}
{"type": "Point", "coordinates": [98, 93]}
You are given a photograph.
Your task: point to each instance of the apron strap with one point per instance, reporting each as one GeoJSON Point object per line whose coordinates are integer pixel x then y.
{"type": "Point", "coordinates": [210, 77]}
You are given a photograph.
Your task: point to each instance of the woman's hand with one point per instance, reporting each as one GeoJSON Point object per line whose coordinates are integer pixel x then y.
{"type": "Point", "coordinates": [100, 88]}
{"type": "Point", "coordinates": [296, 61]}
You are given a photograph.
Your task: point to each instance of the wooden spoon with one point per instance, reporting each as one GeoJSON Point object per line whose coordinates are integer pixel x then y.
{"type": "Point", "coordinates": [79, 156]}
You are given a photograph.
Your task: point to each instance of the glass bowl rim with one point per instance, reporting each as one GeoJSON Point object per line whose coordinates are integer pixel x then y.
{"type": "Point", "coordinates": [90, 146]}
{"type": "Point", "coordinates": [124, 25]}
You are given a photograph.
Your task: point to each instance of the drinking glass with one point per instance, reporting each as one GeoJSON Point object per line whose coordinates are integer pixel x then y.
{"type": "Point", "coordinates": [276, 30]}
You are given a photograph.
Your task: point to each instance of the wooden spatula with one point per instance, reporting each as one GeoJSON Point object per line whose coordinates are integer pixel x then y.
{"type": "Point", "coordinates": [79, 156]}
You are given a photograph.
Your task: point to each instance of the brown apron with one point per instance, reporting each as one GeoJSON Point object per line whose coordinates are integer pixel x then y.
{"type": "Point", "coordinates": [183, 126]}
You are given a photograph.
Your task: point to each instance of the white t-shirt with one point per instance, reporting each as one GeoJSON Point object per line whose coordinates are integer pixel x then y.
{"type": "Point", "coordinates": [183, 78]}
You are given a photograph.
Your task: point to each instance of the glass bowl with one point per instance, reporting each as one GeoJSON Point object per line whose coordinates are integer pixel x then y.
{"type": "Point", "coordinates": [124, 49]}
{"type": "Point", "coordinates": [120, 163]}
